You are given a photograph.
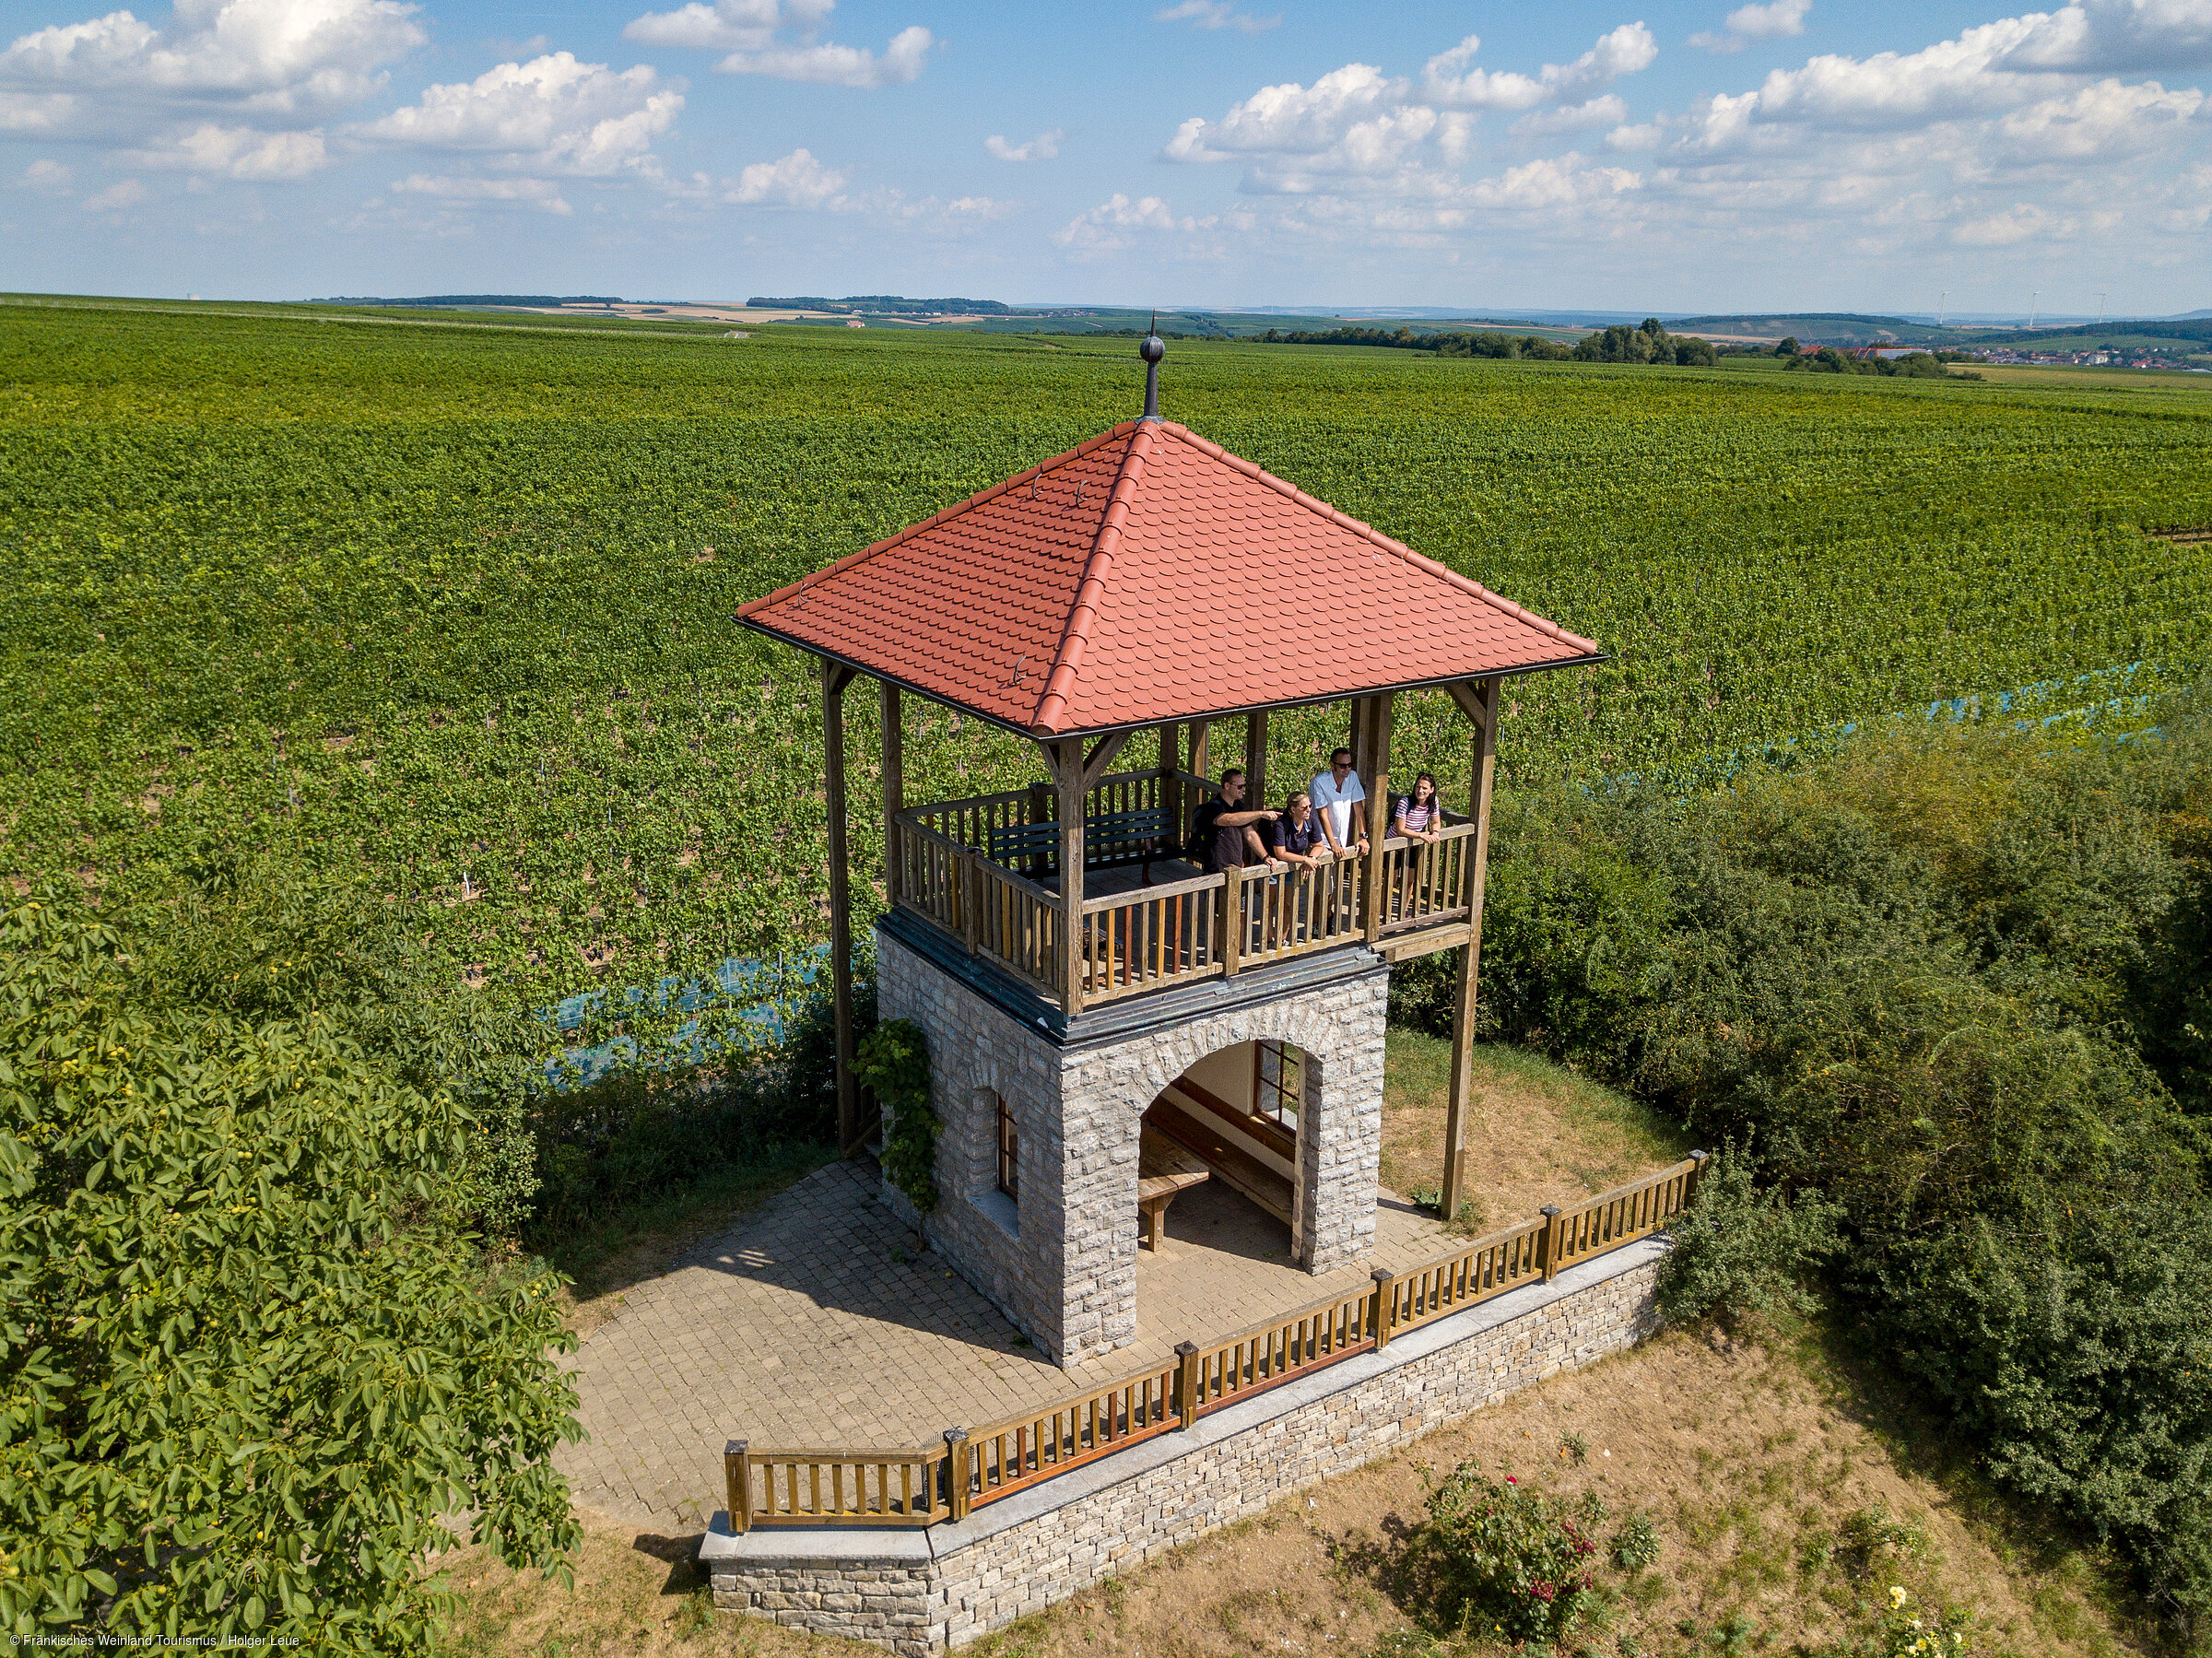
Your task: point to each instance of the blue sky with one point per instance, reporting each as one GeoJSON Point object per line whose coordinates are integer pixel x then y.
{"type": "Point", "coordinates": [1800, 153]}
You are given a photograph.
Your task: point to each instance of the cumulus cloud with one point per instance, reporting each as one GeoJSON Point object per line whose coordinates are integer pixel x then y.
{"type": "Point", "coordinates": [298, 60]}
{"type": "Point", "coordinates": [1215, 14]}
{"type": "Point", "coordinates": [1774, 21]}
{"type": "Point", "coordinates": [1120, 222]}
{"type": "Point", "coordinates": [1043, 147]}
{"type": "Point", "coordinates": [46, 176]}
{"type": "Point", "coordinates": [793, 181]}
{"type": "Point", "coordinates": [238, 152]}
{"type": "Point", "coordinates": [551, 115]}
{"type": "Point", "coordinates": [781, 39]}
{"type": "Point", "coordinates": [1610, 109]}
{"type": "Point", "coordinates": [1451, 78]}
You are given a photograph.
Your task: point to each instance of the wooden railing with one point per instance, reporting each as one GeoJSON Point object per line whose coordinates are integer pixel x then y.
{"type": "Point", "coordinates": [995, 912]}
{"type": "Point", "coordinates": [920, 1487]}
{"type": "Point", "coordinates": [1140, 941]}
{"type": "Point", "coordinates": [1296, 910]}
{"type": "Point", "coordinates": [1428, 882]}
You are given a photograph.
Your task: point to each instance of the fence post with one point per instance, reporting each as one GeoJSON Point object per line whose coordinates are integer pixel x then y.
{"type": "Point", "coordinates": [959, 1460]}
{"type": "Point", "coordinates": [1551, 1240]}
{"type": "Point", "coordinates": [1232, 919]}
{"type": "Point", "coordinates": [1186, 1385]}
{"type": "Point", "coordinates": [738, 1480]}
{"type": "Point", "coordinates": [1689, 1186]}
{"type": "Point", "coordinates": [1386, 1305]}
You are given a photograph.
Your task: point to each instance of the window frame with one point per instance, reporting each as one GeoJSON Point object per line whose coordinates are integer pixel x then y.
{"type": "Point", "coordinates": [1007, 1147]}
{"type": "Point", "coordinates": [1286, 1089]}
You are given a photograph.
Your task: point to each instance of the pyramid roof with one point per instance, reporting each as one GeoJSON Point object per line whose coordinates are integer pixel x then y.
{"type": "Point", "coordinates": [1149, 575]}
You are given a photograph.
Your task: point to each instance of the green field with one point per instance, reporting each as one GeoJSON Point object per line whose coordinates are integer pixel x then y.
{"type": "Point", "coordinates": [435, 602]}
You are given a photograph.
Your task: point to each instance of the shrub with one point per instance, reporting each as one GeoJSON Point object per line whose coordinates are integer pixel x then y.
{"type": "Point", "coordinates": [1740, 1252]}
{"type": "Point", "coordinates": [894, 1061]}
{"type": "Point", "coordinates": [1636, 1543]}
{"type": "Point", "coordinates": [248, 1363]}
{"type": "Point", "coordinates": [1507, 1557]}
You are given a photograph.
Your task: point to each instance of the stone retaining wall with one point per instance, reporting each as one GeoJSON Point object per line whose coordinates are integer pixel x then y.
{"type": "Point", "coordinates": [921, 1591]}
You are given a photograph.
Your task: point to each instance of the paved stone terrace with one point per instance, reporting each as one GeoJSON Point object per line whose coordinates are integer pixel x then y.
{"type": "Point", "coordinates": [803, 1328]}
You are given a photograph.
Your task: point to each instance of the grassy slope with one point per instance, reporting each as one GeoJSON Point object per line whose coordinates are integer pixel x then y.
{"type": "Point", "coordinates": [440, 601]}
{"type": "Point", "coordinates": [1748, 1459]}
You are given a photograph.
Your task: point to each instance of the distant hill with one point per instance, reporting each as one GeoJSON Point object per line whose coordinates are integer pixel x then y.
{"type": "Point", "coordinates": [2179, 329]}
{"type": "Point", "coordinates": [449, 300]}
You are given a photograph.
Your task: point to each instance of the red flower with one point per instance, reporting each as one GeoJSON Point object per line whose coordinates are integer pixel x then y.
{"type": "Point", "coordinates": [1510, 1480]}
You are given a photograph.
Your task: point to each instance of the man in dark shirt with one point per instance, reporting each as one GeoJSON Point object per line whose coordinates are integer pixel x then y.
{"type": "Point", "coordinates": [1225, 832]}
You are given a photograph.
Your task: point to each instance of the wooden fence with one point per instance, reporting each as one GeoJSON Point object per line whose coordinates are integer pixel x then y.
{"type": "Point", "coordinates": [971, 1469]}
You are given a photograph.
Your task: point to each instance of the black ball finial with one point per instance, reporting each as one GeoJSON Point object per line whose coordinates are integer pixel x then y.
{"type": "Point", "coordinates": [1152, 350]}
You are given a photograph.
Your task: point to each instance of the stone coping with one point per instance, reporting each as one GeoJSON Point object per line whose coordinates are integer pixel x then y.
{"type": "Point", "coordinates": [773, 1545]}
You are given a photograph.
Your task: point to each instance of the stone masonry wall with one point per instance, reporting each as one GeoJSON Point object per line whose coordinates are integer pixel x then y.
{"type": "Point", "coordinates": [1031, 1550]}
{"type": "Point", "coordinates": [1062, 1263]}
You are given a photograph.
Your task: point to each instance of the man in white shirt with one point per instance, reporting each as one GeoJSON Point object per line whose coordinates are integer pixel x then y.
{"type": "Point", "coordinates": [1341, 801]}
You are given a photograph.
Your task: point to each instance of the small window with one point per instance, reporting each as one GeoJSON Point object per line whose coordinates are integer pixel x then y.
{"type": "Point", "coordinates": [1009, 1153]}
{"type": "Point", "coordinates": [1281, 1084]}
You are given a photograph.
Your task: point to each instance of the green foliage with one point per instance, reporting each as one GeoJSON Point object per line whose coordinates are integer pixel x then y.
{"type": "Point", "coordinates": [1932, 975]}
{"type": "Point", "coordinates": [1740, 1252]}
{"type": "Point", "coordinates": [894, 1061]}
{"type": "Point", "coordinates": [1636, 1543]}
{"type": "Point", "coordinates": [247, 1362]}
{"type": "Point", "coordinates": [1646, 343]}
{"type": "Point", "coordinates": [1506, 1557]}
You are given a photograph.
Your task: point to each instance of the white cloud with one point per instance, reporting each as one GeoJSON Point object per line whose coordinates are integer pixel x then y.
{"type": "Point", "coordinates": [530, 193]}
{"type": "Point", "coordinates": [2015, 224]}
{"type": "Point", "coordinates": [1561, 181]}
{"type": "Point", "coordinates": [240, 152]}
{"type": "Point", "coordinates": [779, 38]}
{"type": "Point", "coordinates": [793, 181]}
{"type": "Point", "coordinates": [1120, 222]}
{"type": "Point", "coordinates": [47, 177]}
{"type": "Point", "coordinates": [552, 114]}
{"type": "Point", "coordinates": [1450, 79]}
{"type": "Point", "coordinates": [1773, 21]}
{"type": "Point", "coordinates": [1610, 109]}
{"type": "Point", "coordinates": [298, 59]}
{"type": "Point", "coordinates": [1043, 147]}
{"type": "Point", "coordinates": [115, 197]}
{"type": "Point", "coordinates": [1290, 118]}
{"type": "Point", "coordinates": [1215, 14]}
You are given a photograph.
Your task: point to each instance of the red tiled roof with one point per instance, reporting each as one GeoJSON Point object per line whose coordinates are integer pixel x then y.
{"type": "Point", "coordinates": [1147, 576]}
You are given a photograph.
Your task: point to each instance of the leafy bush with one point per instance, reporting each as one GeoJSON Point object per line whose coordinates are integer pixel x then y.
{"type": "Point", "coordinates": [248, 1361]}
{"type": "Point", "coordinates": [1507, 1557]}
{"type": "Point", "coordinates": [894, 1061]}
{"type": "Point", "coordinates": [1740, 1252]}
{"type": "Point", "coordinates": [1636, 1543]}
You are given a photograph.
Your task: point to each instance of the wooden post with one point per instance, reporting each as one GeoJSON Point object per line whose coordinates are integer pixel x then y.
{"type": "Point", "coordinates": [738, 1479]}
{"type": "Point", "coordinates": [835, 677]}
{"type": "Point", "coordinates": [894, 793]}
{"type": "Point", "coordinates": [1232, 919]}
{"type": "Point", "coordinates": [1170, 784]}
{"type": "Point", "coordinates": [1255, 757]}
{"type": "Point", "coordinates": [1202, 753]}
{"type": "Point", "coordinates": [1187, 1385]}
{"type": "Point", "coordinates": [1066, 761]}
{"type": "Point", "coordinates": [1386, 1305]}
{"type": "Point", "coordinates": [1551, 1240]}
{"type": "Point", "coordinates": [1480, 705]}
{"type": "Point", "coordinates": [1690, 1187]}
{"type": "Point", "coordinates": [1378, 809]}
{"type": "Point", "coordinates": [960, 1470]}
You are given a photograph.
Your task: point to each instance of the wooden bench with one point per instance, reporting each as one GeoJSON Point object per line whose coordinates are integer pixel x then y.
{"type": "Point", "coordinates": [1111, 838]}
{"type": "Point", "coordinates": [1238, 1167]}
{"type": "Point", "coordinates": [1164, 1169]}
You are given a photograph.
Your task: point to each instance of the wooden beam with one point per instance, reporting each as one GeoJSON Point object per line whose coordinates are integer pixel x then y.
{"type": "Point", "coordinates": [894, 792]}
{"type": "Point", "coordinates": [1378, 807]}
{"type": "Point", "coordinates": [1255, 757]}
{"type": "Point", "coordinates": [1066, 761]}
{"type": "Point", "coordinates": [1202, 754]}
{"type": "Point", "coordinates": [1101, 757]}
{"type": "Point", "coordinates": [835, 677]}
{"type": "Point", "coordinates": [1170, 786]}
{"type": "Point", "coordinates": [1484, 718]}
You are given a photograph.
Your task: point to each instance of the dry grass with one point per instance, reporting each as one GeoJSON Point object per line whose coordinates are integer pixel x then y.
{"type": "Point", "coordinates": [1539, 1134]}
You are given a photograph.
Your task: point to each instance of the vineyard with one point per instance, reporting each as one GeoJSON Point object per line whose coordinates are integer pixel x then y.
{"type": "Point", "coordinates": [445, 611]}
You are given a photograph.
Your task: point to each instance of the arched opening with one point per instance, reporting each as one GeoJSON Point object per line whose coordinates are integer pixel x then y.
{"type": "Point", "coordinates": [1218, 1181]}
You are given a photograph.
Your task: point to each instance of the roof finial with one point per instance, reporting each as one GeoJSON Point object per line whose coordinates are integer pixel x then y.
{"type": "Point", "coordinates": [1152, 350]}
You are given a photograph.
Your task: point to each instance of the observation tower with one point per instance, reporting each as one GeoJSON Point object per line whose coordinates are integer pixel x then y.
{"type": "Point", "coordinates": [1109, 1022]}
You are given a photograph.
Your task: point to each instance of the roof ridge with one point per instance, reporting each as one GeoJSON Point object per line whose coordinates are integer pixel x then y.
{"type": "Point", "coordinates": [911, 530]}
{"type": "Point", "coordinates": [1420, 561]}
{"type": "Point", "coordinates": [1075, 639]}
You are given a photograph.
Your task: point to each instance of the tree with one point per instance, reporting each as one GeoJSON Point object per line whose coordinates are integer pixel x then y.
{"type": "Point", "coordinates": [1694, 353]}
{"type": "Point", "coordinates": [246, 1365]}
{"type": "Point", "coordinates": [1788, 348]}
